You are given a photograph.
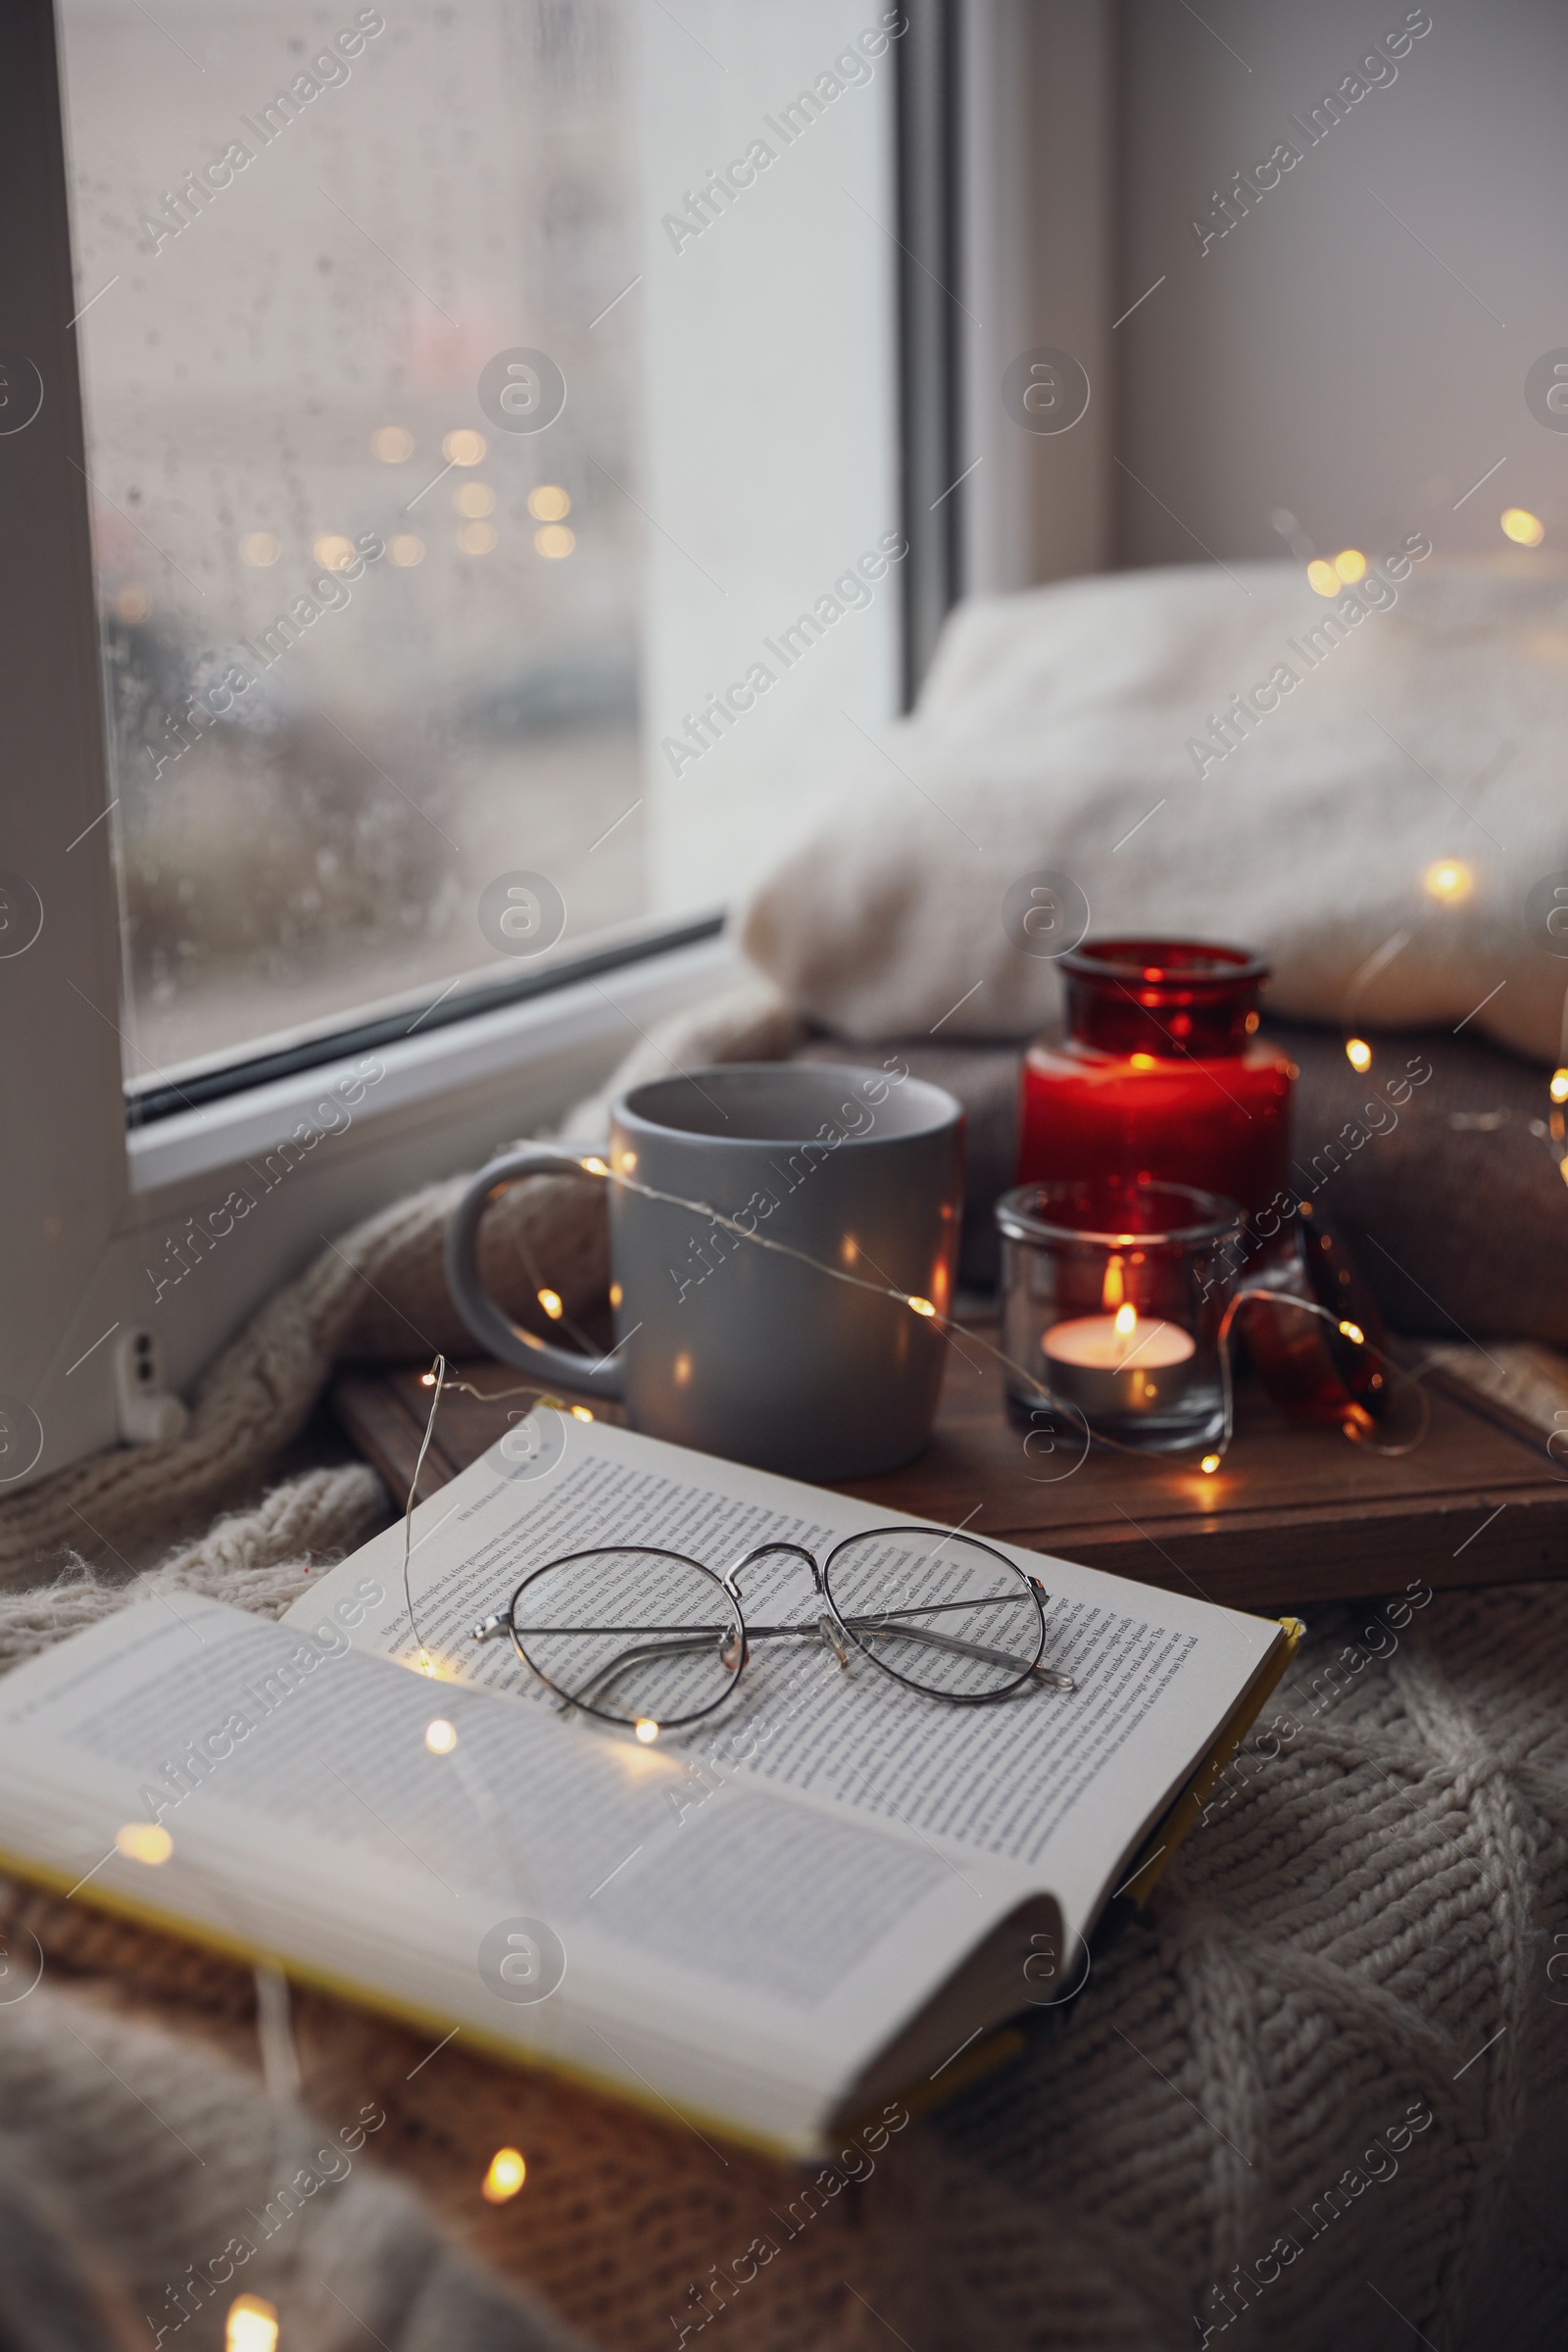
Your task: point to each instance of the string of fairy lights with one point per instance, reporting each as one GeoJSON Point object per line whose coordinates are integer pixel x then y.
{"type": "Point", "coordinates": [593, 1165]}
{"type": "Point", "coordinates": [1450, 881]}
{"type": "Point", "coordinates": [441, 1381]}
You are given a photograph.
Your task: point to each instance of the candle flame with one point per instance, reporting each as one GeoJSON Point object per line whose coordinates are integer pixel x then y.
{"type": "Point", "coordinates": [1126, 1321]}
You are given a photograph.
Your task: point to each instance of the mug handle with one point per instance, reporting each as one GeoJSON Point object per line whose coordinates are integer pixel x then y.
{"type": "Point", "coordinates": [474, 1303]}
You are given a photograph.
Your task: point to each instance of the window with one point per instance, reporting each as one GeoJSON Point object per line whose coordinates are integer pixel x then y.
{"type": "Point", "coordinates": [441, 681]}
{"type": "Point", "coordinates": [481, 406]}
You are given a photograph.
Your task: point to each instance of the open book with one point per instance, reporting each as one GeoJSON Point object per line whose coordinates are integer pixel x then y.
{"type": "Point", "coordinates": [819, 1897]}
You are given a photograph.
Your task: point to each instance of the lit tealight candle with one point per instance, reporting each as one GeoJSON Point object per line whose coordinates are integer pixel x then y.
{"type": "Point", "coordinates": [1114, 1364]}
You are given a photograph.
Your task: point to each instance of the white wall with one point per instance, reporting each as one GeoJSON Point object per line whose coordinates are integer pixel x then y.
{"type": "Point", "coordinates": [1321, 357]}
{"type": "Point", "coordinates": [769, 452]}
{"type": "Point", "coordinates": [1037, 137]}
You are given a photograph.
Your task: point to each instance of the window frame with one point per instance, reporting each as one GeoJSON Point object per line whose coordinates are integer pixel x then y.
{"type": "Point", "coordinates": [101, 1179]}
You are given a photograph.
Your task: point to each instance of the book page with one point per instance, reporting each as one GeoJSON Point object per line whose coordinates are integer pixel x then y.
{"type": "Point", "coordinates": [308, 1817]}
{"type": "Point", "coordinates": [1062, 1785]}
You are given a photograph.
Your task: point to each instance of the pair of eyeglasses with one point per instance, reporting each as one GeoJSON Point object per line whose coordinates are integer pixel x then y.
{"type": "Point", "coordinates": [650, 1638]}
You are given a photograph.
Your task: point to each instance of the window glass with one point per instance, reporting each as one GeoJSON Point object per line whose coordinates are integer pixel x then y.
{"type": "Point", "coordinates": [480, 400]}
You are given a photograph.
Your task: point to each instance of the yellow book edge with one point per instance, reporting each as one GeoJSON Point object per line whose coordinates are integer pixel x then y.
{"type": "Point", "coordinates": [1163, 1839]}
{"type": "Point", "coordinates": [1188, 1810]}
{"type": "Point", "coordinates": [994, 2051]}
{"type": "Point", "coordinates": [401, 2012]}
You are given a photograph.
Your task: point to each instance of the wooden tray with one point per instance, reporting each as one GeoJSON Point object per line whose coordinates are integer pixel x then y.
{"type": "Point", "coordinates": [1293, 1516]}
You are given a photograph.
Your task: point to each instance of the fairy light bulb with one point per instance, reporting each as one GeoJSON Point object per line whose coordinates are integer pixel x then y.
{"type": "Point", "coordinates": [144, 1842]}
{"type": "Point", "coordinates": [1522, 528]}
{"type": "Point", "coordinates": [922, 1306]}
{"type": "Point", "coordinates": [505, 2176]}
{"type": "Point", "coordinates": [1359, 1053]}
{"type": "Point", "coordinates": [1558, 1089]}
{"type": "Point", "coordinates": [440, 1737]}
{"type": "Point", "coordinates": [251, 2325]}
{"type": "Point", "coordinates": [647, 1730]}
{"type": "Point", "coordinates": [1210, 1464]}
{"type": "Point", "coordinates": [1448, 881]}
{"type": "Point", "coordinates": [1354, 1331]}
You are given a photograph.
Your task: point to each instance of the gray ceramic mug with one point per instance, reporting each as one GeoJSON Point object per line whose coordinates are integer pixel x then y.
{"type": "Point", "coordinates": [737, 1350]}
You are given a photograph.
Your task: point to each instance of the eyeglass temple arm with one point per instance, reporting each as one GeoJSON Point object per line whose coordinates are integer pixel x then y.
{"type": "Point", "coordinates": [968, 1650]}
{"type": "Point", "coordinates": [1050, 1675]}
{"type": "Point", "coordinates": [603, 1675]}
{"type": "Point", "coordinates": [600, 1681]}
{"type": "Point", "coordinates": [489, 1628]}
{"type": "Point", "coordinates": [884, 1618]}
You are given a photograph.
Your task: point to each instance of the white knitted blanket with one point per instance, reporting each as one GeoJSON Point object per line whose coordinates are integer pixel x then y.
{"type": "Point", "coordinates": [1314, 2095]}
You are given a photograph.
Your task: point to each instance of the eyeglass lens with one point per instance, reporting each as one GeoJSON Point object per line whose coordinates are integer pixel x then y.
{"type": "Point", "coordinates": [941, 1612]}
{"type": "Point", "coordinates": [632, 1635]}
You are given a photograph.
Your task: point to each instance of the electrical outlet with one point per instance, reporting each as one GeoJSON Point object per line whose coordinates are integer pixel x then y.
{"type": "Point", "coordinates": [149, 1414]}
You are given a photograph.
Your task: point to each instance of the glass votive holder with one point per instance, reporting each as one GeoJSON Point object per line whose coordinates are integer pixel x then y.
{"type": "Point", "coordinates": [1112, 1293]}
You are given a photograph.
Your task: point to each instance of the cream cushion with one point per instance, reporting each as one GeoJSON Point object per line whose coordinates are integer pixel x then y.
{"type": "Point", "coordinates": [1072, 729]}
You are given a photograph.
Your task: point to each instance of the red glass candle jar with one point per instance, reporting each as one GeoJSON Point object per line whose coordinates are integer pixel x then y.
{"type": "Point", "coordinates": [1161, 1076]}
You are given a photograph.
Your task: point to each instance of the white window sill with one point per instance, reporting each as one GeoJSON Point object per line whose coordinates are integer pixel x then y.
{"type": "Point", "coordinates": [522, 1064]}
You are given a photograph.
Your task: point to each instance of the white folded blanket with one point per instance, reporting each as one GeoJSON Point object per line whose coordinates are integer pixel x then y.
{"type": "Point", "coordinates": [1366, 788]}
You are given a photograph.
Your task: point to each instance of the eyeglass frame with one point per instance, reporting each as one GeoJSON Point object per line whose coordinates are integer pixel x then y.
{"type": "Point", "coordinates": [831, 1626]}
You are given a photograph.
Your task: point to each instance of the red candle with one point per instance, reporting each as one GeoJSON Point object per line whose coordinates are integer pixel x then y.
{"type": "Point", "coordinates": [1161, 1075]}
